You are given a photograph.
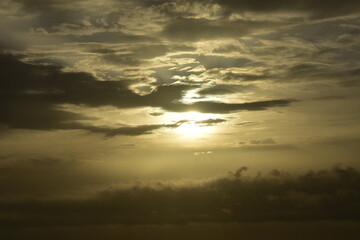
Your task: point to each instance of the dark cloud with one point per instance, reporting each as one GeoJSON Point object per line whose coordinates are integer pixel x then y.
{"type": "Point", "coordinates": [225, 89]}
{"type": "Point", "coordinates": [347, 78]}
{"type": "Point", "coordinates": [30, 95]}
{"type": "Point", "coordinates": [316, 72]}
{"type": "Point", "coordinates": [263, 141]}
{"type": "Point", "coordinates": [39, 5]}
{"type": "Point", "coordinates": [51, 13]}
{"type": "Point", "coordinates": [258, 147]}
{"type": "Point", "coordinates": [215, 91]}
{"type": "Point", "coordinates": [341, 141]}
{"type": "Point", "coordinates": [164, 75]}
{"type": "Point", "coordinates": [217, 61]}
{"type": "Point", "coordinates": [330, 230]}
{"type": "Point", "coordinates": [41, 176]}
{"type": "Point", "coordinates": [279, 196]}
{"type": "Point", "coordinates": [246, 123]}
{"type": "Point", "coordinates": [130, 130]}
{"type": "Point", "coordinates": [318, 9]}
{"type": "Point", "coordinates": [122, 59]}
{"type": "Point", "coordinates": [107, 37]}
{"type": "Point", "coordinates": [200, 29]}
{"type": "Point", "coordinates": [156, 114]}
{"type": "Point", "coordinates": [335, 97]}
{"type": "Point", "coordinates": [210, 122]}
{"type": "Point", "coordinates": [214, 61]}
{"type": "Point", "coordinates": [219, 107]}
{"type": "Point", "coordinates": [306, 70]}
{"type": "Point", "coordinates": [227, 49]}
{"type": "Point", "coordinates": [266, 144]}
{"type": "Point", "coordinates": [141, 53]}
{"type": "Point", "coordinates": [230, 76]}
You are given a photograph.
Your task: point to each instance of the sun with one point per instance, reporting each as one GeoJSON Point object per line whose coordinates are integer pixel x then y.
{"type": "Point", "coordinates": [192, 130]}
{"type": "Point", "coordinates": [192, 126]}
{"type": "Point", "coordinates": [190, 116]}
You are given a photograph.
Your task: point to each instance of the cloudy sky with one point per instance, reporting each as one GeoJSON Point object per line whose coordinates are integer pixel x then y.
{"type": "Point", "coordinates": [179, 119]}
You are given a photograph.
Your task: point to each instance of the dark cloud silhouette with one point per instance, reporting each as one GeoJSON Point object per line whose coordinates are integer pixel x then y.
{"type": "Point", "coordinates": [230, 76]}
{"type": "Point", "coordinates": [214, 61]}
{"type": "Point", "coordinates": [108, 37]}
{"type": "Point", "coordinates": [215, 91]}
{"type": "Point", "coordinates": [130, 130]}
{"type": "Point", "coordinates": [141, 53]}
{"type": "Point", "coordinates": [156, 114]}
{"type": "Point", "coordinates": [164, 75]}
{"type": "Point", "coordinates": [246, 123]}
{"type": "Point", "coordinates": [227, 49]}
{"type": "Point", "coordinates": [30, 95]}
{"type": "Point", "coordinates": [279, 196]}
{"type": "Point", "coordinates": [318, 72]}
{"type": "Point", "coordinates": [42, 176]}
{"type": "Point", "coordinates": [221, 89]}
{"type": "Point", "coordinates": [318, 9]}
{"type": "Point", "coordinates": [210, 122]}
{"type": "Point", "coordinates": [192, 29]}
{"type": "Point", "coordinates": [219, 107]}
{"type": "Point", "coordinates": [334, 230]}
{"type": "Point", "coordinates": [267, 147]}
{"type": "Point", "coordinates": [263, 141]}
{"type": "Point", "coordinates": [324, 98]}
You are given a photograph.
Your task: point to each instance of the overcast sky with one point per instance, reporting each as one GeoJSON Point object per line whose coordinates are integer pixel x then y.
{"type": "Point", "coordinates": [178, 118]}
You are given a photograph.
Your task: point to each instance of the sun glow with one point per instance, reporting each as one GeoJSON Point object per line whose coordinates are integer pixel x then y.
{"type": "Point", "coordinates": [190, 116]}
{"type": "Point", "coordinates": [191, 125]}
{"type": "Point", "coordinates": [192, 130]}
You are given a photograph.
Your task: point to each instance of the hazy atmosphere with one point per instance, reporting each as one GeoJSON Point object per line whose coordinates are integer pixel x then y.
{"type": "Point", "coordinates": [209, 119]}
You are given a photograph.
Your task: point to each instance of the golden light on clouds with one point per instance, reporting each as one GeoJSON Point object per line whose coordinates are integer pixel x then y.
{"type": "Point", "coordinates": [190, 116]}
{"type": "Point", "coordinates": [192, 124]}
{"type": "Point", "coordinates": [103, 104]}
{"type": "Point", "coordinates": [193, 130]}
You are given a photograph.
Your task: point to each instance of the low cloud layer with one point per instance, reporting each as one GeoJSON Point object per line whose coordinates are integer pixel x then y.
{"type": "Point", "coordinates": [316, 195]}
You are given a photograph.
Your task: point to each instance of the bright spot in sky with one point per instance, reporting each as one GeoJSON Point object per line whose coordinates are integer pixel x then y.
{"type": "Point", "coordinates": [192, 130]}
{"type": "Point", "coordinates": [192, 126]}
{"type": "Point", "coordinates": [191, 116]}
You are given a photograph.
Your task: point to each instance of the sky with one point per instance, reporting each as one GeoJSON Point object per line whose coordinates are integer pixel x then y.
{"type": "Point", "coordinates": [208, 119]}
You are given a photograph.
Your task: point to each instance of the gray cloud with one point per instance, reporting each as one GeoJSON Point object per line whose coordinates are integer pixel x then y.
{"type": "Point", "coordinates": [263, 141]}
{"type": "Point", "coordinates": [318, 9]}
{"type": "Point", "coordinates": [278, 196]}
{"type": "Point", "coordinates": [217, 61]}
{"type": "Point", "coordinates": [107, 37]}
{"type": "Point", "coordinates": [41, 176]}
{"type": "Point", "coordinates": [222, 89]}
{"type": "Point", "coordinates": [164, 75]}
{"type": "Point", "coordinates": [210, 122]}
{"type": "Point", "coordinates": [219, 107]}
{"type": "Point", "coordinates": [200, 29]}
{"type": "Point", "coordinates": [51, 13]}
{"type": "Point", "coordinates": [210, 62]}
{"type": "Point", "coordinates": [227, 49]}
{"type": "Point", "coordinates": [142, 53]}
{"type": "Point", "coordinates": [31, 93]}
{"type": "Point", "coordinates": [130, 130]}
{"type": "Point", "coordinates": [311, 72]}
